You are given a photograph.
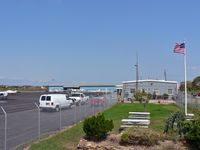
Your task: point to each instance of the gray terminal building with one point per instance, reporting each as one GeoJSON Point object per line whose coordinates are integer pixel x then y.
{"type": "Point", "coordinates": [159, 87]}
{"type": "Point", "coordinates": [83, 88]}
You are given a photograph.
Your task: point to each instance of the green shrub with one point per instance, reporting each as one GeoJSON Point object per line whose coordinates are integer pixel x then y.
{"type": "Point", "coordinates": [97, 127]}
{"type": "Point", "coordinates": [192, 134]}
{"type": "Point", "coordinates": [165, 96]}
{"type": "Point", "coordinates": [140, 136]}
{"type": "Point", "coordinates": [158, 97]}
{"type": "Point", "coordinates": [189, 129]}
{"type": "Point", "coordinates": [175, 123]}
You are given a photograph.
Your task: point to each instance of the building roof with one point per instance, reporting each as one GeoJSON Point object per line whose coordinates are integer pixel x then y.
{"type": "Point", "coordinates": [119, 86]}
{"type": "Point", "coordinates": [148, 80]}
{"type": "Point", "coordinates": [85, 85]}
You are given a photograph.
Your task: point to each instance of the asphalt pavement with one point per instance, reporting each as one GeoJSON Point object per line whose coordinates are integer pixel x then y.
{"type": "Point", "coordinates": [20, 101]}
{"type": "Point", "coordinates": [23, 118]}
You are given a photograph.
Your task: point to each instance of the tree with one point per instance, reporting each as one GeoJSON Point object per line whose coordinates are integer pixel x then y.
{"type": "Point", "coordinates": [196, 83]}
{"type": "Point", "coordinates": [142, 97]}
{"type": "Point", "coordinates": [189, 86]}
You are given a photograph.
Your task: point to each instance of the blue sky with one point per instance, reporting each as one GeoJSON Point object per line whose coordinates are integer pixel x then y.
{"type": "Point", "coordinates": [67, 42]}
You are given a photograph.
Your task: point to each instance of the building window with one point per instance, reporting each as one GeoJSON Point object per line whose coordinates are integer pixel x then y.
{"type": "Point", "coordinates": [170, 91]}
{"type": "Point", "coordinates": [132, 90]}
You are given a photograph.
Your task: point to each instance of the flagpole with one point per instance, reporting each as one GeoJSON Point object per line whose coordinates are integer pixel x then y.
{"type": "Point", "coordinates": [185, 66]}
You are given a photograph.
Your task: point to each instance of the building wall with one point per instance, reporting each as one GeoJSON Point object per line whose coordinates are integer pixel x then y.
{"type": "Point", "coordinates": [159, 88]}
{"type": "Point", "coordinates": [83, 88]}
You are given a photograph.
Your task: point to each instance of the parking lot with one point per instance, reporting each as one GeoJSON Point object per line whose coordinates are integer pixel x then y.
{"type": "Point", "coordinates": [26, 123]}
{"type": "Point", "coordinates": [20, 101]}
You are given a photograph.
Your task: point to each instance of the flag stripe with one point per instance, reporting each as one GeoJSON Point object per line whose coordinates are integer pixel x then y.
{"type": "Point", "coordinates": [179, 48]}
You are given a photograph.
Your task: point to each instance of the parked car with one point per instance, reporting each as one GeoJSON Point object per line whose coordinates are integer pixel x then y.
{"type": "Point", "coordinates": [198, 95]}
{"type": "Point", "coordinates": [98, 101]}
{"type": "Point", "coordinates": [54, 102]}
{"type": "Point", "coordinates": [79, 98]}
{"type": "Point", "coordinates": [71, 100]}
{"type": "Point", "coordinates": [3, 95]}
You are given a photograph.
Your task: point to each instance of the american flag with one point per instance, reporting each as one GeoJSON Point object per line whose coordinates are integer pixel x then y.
{"type": "Point", "coordinates": [179, 48]}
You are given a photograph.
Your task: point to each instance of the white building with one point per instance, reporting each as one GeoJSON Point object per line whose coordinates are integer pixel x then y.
{"type": "Point", "coordinates": [159, 87]}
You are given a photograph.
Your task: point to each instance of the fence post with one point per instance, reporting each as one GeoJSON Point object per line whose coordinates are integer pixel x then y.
{"type": "Point", "coordinates": [38, 120]}
{"type": "Point", "coordinates": [85, 109]}
{"type": "Point", "coordinates": [93, 109]}
{"type": "Point", "coordinates": [5, 142]}
{"type": "Point", "coordinates": [60, 118]}
{"type": "Point", "coordinates": [75, 113]}
{"type": "Point", "coordinates": [107, 105]}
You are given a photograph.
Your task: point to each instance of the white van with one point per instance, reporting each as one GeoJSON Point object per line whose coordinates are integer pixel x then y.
{"type": "Point", "coordinates": [54, 101]}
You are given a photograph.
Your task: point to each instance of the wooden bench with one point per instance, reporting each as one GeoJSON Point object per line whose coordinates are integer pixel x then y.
{"type": "Point", "coordinates": [136, 119]}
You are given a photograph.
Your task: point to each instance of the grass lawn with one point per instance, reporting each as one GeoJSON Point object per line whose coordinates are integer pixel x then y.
{"type": "Point", "coordinates": [69, 139]}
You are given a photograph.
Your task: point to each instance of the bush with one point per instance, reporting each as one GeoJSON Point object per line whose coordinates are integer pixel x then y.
{"type": "Point", "coordinates": [189, 129]}
{"type": "Point", "coordinates": [192, 134]}
{"type": "Point", "coordinates": [138, 136]}
{"type": "Point", "coordinates": [175, 123]}
{"type": "Point", "coordinates": [165, 96]}
{"type": "Point", "coordinates": [158, 97]}
{"type": "Point", "coordinates": [97, 127]}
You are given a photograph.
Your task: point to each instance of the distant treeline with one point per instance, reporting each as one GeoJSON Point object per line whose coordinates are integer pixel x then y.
{"type": "Point", "coordinates": [192, 86]}
{"type": "Point", "coordinates": [23, 88]}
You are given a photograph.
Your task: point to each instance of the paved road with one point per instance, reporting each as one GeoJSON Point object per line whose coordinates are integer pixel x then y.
{"type": "Point", "coordinates": [23, 118]}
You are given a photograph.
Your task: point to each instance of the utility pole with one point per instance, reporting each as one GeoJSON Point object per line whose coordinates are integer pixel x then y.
{"type": "Point", "coordinates": [137, 73]}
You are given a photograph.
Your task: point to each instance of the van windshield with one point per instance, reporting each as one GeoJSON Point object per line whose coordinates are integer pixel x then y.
{"type": "Point", "coordinates": [48, 98]}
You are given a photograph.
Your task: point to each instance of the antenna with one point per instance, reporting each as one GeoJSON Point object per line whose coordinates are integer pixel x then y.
{"type": "Point", "coordinates": [165, 74]}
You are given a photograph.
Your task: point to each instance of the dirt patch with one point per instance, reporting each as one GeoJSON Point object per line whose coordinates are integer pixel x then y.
{"type": "Point", "coordinates": [112, 143]}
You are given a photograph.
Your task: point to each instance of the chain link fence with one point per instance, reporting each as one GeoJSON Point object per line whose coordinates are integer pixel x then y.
{"type": "Point", "coordinates": [26, 126]}
{"type": "Point", "coordinates": [193, 102]}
